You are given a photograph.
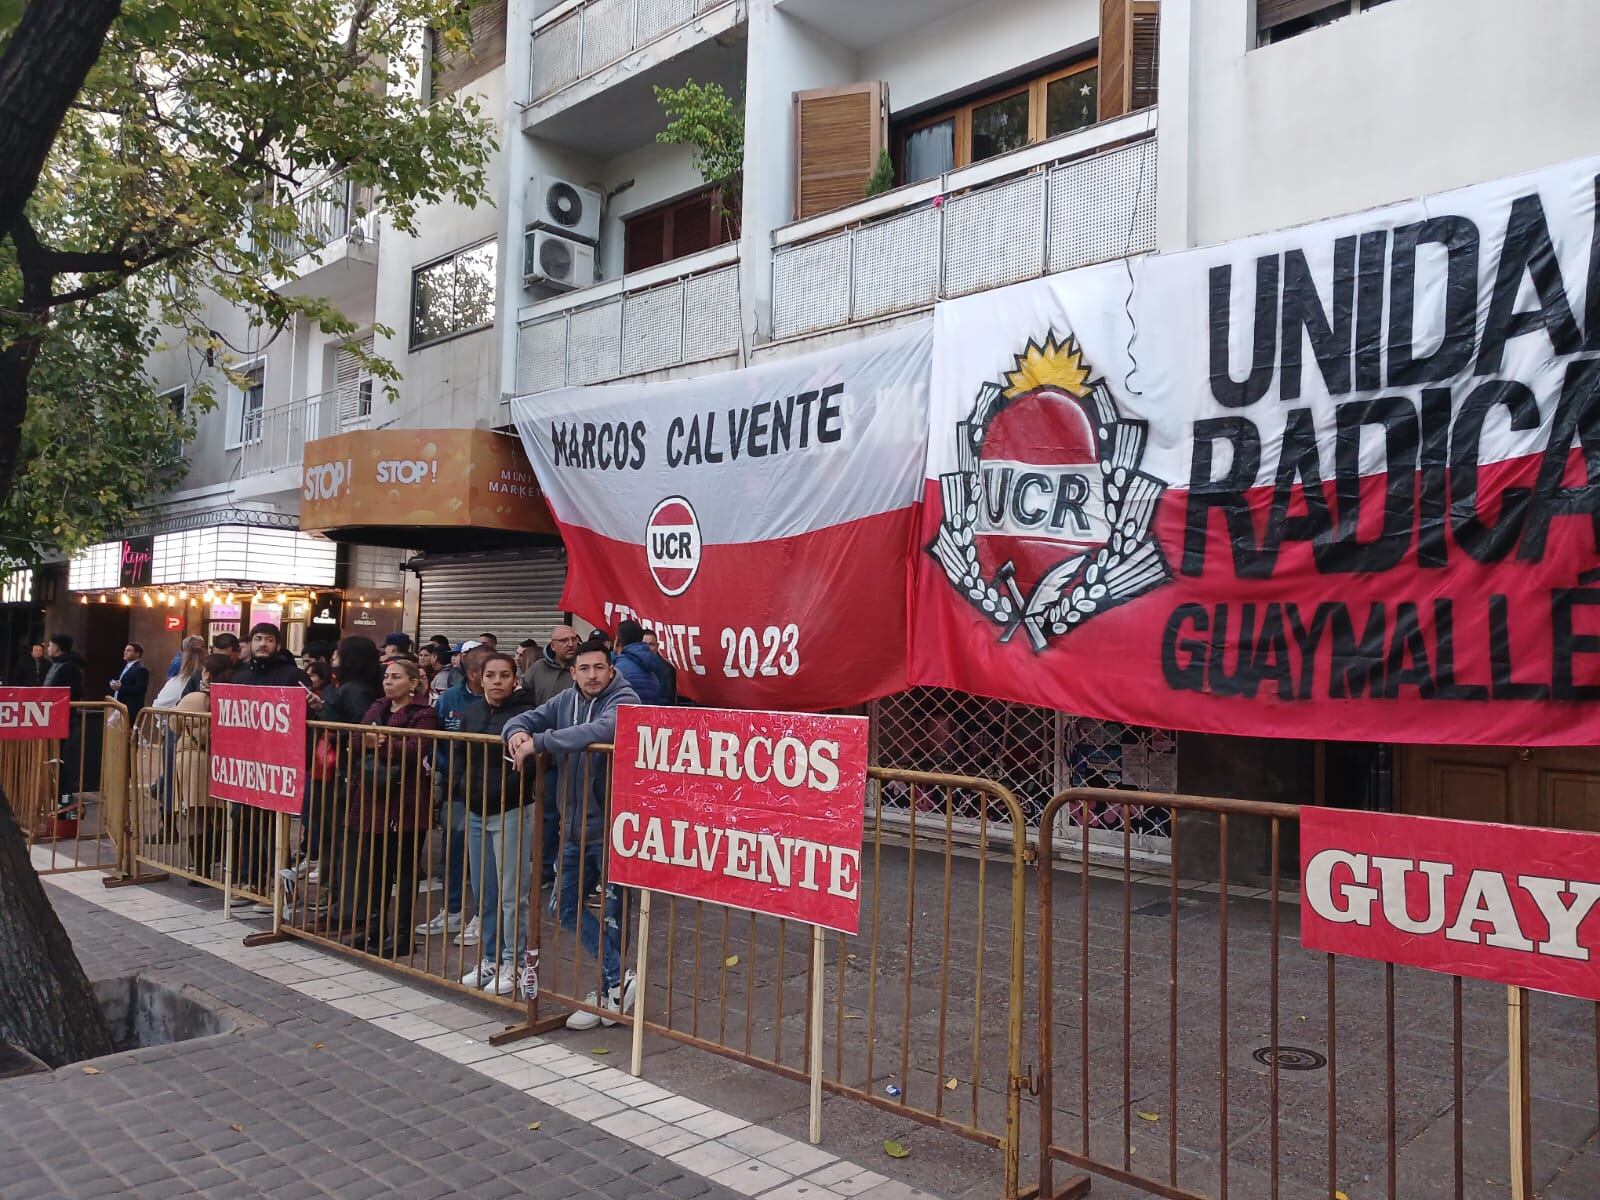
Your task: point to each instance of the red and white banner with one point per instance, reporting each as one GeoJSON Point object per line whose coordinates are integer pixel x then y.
{"type": "Point", "coordinates": [1340, 481]}
{"type": "Point", "coordinates": [761, 521]}
{"type": "Point", "coordinates": [1499, 902]}
{"type": "Point", "coordinates": [757, 810]}
{"type": "Point", "coordinates": [30, 714]}
{"type": "Point", "coordinates": [258, 745]}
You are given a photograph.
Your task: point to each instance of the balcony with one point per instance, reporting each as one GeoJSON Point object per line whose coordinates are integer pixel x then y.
{"type": "Point", "coordinates": [275, 438]}
{"type": "Point", "coordinates": [681, 312]}
{"type": "Point", "coordinates": [1081, 198]}
{"type": "Point", "coordinates": [618, 42]}
{"type": "Point", "coordinates": [336, 247]}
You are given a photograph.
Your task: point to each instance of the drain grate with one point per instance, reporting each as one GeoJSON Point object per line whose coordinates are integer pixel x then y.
{"type": "Point", "coordinates": [1290, 1058]}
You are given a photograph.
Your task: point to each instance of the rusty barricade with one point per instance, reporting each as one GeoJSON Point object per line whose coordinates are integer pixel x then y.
{"type": "Point", "coordinates": [70, 795]}
{"type": "Point", "coordinates": [1189, 1046]}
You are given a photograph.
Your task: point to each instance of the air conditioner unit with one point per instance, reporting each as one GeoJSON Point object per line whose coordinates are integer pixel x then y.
{"type": "Point", "coordinates": [563, 208]}
{"type": "Point", "coordinates": [557, 262]}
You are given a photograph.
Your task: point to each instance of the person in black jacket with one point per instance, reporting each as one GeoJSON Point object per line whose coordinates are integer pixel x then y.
{"type": "Point", "coordinates": [269, 664]}
{"type": "Point", "coordinates": [358, 683]}
{"type": "Point", "coordinates": [499, 803]}
{"type": "Point", "coordinates": [66, 671]}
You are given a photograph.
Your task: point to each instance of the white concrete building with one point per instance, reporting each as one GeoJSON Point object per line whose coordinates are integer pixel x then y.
{"type": "Point", "coordinates": [1026, 137]}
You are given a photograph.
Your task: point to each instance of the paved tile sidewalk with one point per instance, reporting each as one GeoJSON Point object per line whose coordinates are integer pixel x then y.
{"type": "Point", "coordinates": [350, 1084]}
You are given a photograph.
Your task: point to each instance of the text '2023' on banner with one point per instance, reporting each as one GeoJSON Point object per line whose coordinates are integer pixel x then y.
{"type": "Point", "coordinates": [258, 746]}
{"type": "Point", "coordinates": [757, 810]}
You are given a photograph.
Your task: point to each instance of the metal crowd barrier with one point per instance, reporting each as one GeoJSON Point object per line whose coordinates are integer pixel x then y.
{"type": "Point", "coordinates": [70, 795]}
{"type": "Point", "coordinates": [1189, 1046]}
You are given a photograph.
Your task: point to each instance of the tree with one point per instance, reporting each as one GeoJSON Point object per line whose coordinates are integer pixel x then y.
{"type": "Point", "coordinates": [154, 151]}
{"type": "Point", "coordinates": [705, 118]}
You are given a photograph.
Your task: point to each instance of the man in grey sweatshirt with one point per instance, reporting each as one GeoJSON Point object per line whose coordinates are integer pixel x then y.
{"type": "Point", "coordinates": [565, 726]}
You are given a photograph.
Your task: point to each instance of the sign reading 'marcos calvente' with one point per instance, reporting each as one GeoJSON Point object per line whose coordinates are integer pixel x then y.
{"type": "Point", "coordinates": [1339, 481]}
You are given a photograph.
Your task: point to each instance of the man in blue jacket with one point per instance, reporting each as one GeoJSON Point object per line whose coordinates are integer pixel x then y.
{"type": "Point", "coordinates": [647, 674]}
{"type": "Point", "coordinates": [565, 726]}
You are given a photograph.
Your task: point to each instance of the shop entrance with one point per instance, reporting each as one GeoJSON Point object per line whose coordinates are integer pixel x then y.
{"type": "Point", "coordinates": [1558, 788]}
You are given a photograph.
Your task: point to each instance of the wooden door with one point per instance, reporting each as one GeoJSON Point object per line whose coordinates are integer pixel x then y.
{"type": "Point", "coordinates": [1555, 788]}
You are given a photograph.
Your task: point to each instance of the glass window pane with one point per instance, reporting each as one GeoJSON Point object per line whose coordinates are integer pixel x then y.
{"type": "Point", "coordinates": [1000, 126]}
{"type": "Point", "coordinates": [475, 287]}
{"type": "Point", "coordinates": [432, 302]}
{"type": "Point", "coordinates": [1072, 102]}
{"type": "Point", "coordinates": [930, 151]}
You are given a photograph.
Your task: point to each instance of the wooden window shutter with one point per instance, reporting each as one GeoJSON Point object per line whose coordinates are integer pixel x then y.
{"type": "Point", "coordinates": [1145, 66]}
{"type": "Point", "coordinates": [644, 239]}
{"type": "Point", "coordinates": [1272, 13]}
{"type": "Point", "coordinates": [838, 134]}
{"type": "Point", "coordinates": [692, 225]}
{"type": "Point", "coordinates": [485, 51]}
{"type": "Point", "coordinates": [1116, 57]}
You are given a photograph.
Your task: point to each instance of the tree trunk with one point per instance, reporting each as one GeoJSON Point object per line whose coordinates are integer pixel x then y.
{"type": "Point", "coordinates": [49, 55]}
{"type": "Point", "coordinates": [46, 1004]}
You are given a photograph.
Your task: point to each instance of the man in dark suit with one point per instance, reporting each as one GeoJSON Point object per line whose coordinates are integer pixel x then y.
{"type": "Point", "coordinates": [133, 685]}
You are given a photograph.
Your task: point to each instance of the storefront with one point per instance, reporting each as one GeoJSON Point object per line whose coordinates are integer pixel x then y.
{"type": "Point", "coordinates": [464, 506]}
{"type": "Point", "coordinates": [213, 573]}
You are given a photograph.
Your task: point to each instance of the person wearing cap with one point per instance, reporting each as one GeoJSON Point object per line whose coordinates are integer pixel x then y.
{"type": "Point", "coordinates": [396, 645]}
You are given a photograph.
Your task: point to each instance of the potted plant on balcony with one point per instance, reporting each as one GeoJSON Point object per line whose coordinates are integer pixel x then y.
{"type": "Point", "coordinates": [704, 117]}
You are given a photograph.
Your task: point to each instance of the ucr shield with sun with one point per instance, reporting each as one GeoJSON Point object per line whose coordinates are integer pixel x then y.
{"type": "Point", "coordinates": [1047, 518]}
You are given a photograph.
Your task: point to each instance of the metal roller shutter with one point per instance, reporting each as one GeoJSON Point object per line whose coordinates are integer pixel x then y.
{"type": "Point", "coordinates": [511, 596]}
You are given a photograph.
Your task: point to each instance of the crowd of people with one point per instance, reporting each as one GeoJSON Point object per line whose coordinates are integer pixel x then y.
{"type": "Point", "coordinates": [387, 789]}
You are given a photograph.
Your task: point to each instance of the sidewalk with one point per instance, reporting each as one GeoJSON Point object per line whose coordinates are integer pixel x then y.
{"type": "Point", "coordinates": [345, 1083]}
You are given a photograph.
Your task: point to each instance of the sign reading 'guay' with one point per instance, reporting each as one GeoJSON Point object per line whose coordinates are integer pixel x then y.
{"type": "Point", "coordinates": [758, 810]}
{"type": "Point", "coordinates": [1500, 902]}
{"type": "Point", "coordinates": [258, 746]}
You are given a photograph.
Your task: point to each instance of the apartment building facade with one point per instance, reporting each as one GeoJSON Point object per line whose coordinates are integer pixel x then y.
{"type": "Point", "coordinates": [1025, 137]}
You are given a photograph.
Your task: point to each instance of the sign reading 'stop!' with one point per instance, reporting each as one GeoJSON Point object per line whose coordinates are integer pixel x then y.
{"type": "Point", "coordinates": [758, 810]}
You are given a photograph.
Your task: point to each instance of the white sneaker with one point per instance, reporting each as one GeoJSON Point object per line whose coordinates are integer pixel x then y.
{"type": "Point", "coordinates": [471, 935]}
{"type": "Point", "coordinates": [314, 875]}
{"type": "Point", "coordinates": [442, 922]}
{"type": "Point", "coordinates": [504, 981]}
{"type": "Point", "coordinates": [260, 910]}
{"type": "Point", "coordinates": [431, 885]}
{"type": "Point", "coordinates": [304, 869]}
{"type": "Point", "coordinates": [619, 1000]}
{"type": "Point", "coordinates": [481, 975]}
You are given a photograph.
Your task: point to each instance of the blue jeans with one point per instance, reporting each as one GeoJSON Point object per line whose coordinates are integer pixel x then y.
{"type": "Point", "coordinates": [575, 885]}
{"type": "Point", "coordinates": [455, 854]}
{"type": "Point", "coordinates": [500, 848]}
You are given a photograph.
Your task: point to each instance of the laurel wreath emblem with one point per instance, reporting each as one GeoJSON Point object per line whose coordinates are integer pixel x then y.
{"type": "Point", "coordinates": [1131, 562]}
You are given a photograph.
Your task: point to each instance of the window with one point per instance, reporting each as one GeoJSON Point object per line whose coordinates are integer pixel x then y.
{"type": "Point", "coordinates": [177, 401]}
{"type": "Point", "coordinates": [1277, 20]}
{"type": "Point", "coordinates": [246, 402]}
{"type": "Point", "coordinates": [454, 295]}
{"type": "Point", "coordinates": [995, 123]}
{"type": "Point", "coordinates": [680, 227]}
{"type": "Point", "coordinates": [485, 50]}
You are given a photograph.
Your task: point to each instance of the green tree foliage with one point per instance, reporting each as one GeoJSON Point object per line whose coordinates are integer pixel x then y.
{"type": "Point", "coordinates": [705, 118]}
{"type": "Point", "coordinates": [171, 184]}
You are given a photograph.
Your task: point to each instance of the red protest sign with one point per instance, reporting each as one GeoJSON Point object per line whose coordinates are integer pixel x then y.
{"type": "Point", "coordinates": [34, 714]}
{"type": "Point", "coordinates": [757, 810]}
{"type": "Point", "coordinates": [258, 745]}
{"type": "Point", "coordinates": [1499, 902]}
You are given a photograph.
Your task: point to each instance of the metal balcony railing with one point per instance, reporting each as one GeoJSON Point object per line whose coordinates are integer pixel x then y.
{"type": "Point", "coordinates": [597, 33]}
{"type": "Point", "coordinates": [1084, 198]}
{"type": "Point", "coordinates": [328, 211]}
{"type": "Point", "coordinates": [644, 322]}
{"type": "Point", "coordinates": [275, 438]}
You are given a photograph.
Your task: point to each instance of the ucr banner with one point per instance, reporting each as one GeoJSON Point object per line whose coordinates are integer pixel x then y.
{"type": "Point", "coordinates": [30, 714]}
{"type": "Point", "coordinates": [760, 521]}
{"type": "Point", "coordinates": [258, 746]}
{"type": "Point", "coordinates": [758, 810]}
{"type": "Point", "coordinates": [1500, 902]}
{"type": "Point", "coordinates": [1341, 481]}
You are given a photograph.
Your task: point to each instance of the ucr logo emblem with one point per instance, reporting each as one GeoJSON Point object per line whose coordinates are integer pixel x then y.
{"type": "Point", "coordinates": [1047, 516]}
{"type": "Point", "coordinates": [672, 545]}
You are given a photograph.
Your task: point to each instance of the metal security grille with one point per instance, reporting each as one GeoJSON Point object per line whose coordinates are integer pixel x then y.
{"type": "Point", "coordinates": [1035, 752]}
{"type": "Point", "coordinates": [510, 597]}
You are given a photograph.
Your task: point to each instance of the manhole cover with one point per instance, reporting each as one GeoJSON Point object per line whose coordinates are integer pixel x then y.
{"type": "Point", "coordinates": [1290, 1058]}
